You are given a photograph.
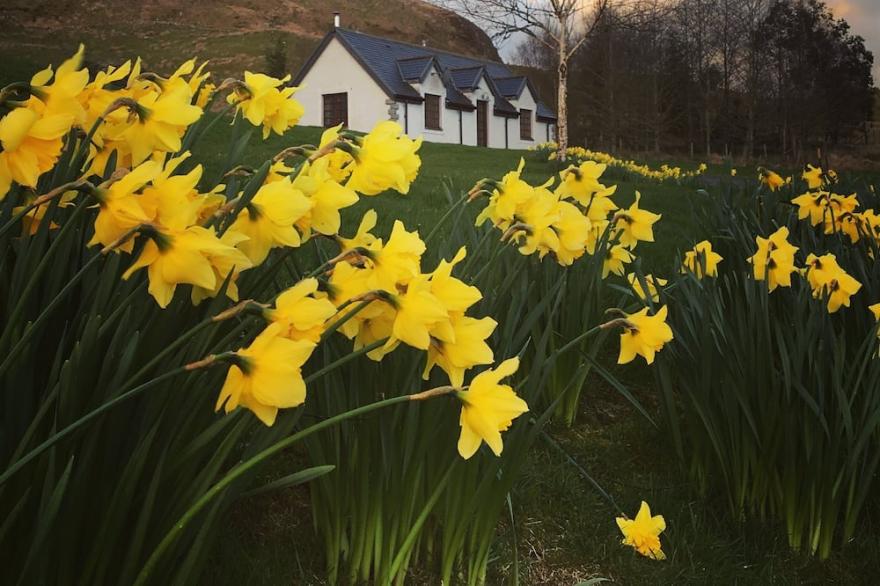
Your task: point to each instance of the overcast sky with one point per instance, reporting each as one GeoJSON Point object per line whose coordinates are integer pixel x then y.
{"type": "Point", "coordinates": [863, 17]}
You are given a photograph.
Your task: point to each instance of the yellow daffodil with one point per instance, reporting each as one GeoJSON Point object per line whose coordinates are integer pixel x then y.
{"type": "Point", "coordinates": [386, 159]}
{"type": "Point", "coordinates": [418, 312]}
{"type": "Point", "coordinates": [268, 220]}
{"type": "Point", "coordinates": [204, 94]}
{"type": "Point", "coordinates": [581, 182]}
{"type": "Point", "coordinates": [644, 335]}
{"type": "Point", "coordinates": [812, 205]}
{"type": "Point", "coordinates": [635, 224]}
{"type": "Point", "coordinates": [509, 195]}
{"type": "Point", "coordinates": [301, 312]}
{"type": "Point", "coordinates": [159, 124]}
{"type": "Point", "coordinates": [538, 216]}
{"type": "Point", "coordinates": [813, 176]}
{"type": "Point", "coordinates": [875, 309]}
{"type": "Point", "coordinates": [733, 172]}
{"type": "Point", "coordinates": [340, 163]}
{"type": "Point", "coordinates": [187, 256]}
{"type": "Point", "coordinates": [643, 532]}
{"type": "Point", "coordinates": [774, 259]}
{"type": "Point", "coordinates": [652, 282]}
{"type": "Point", "coordinates": [601, 204]}
{"type": "Point", "coordinates": [264, 104]}
{"type": "Point", "coordinates": [771, 179]}
{"type": "Point", "coordinates": [119, 206]}
{"type": "Point", "coordinates": [455, 295]}
{"type": "Point", "coordinates": [573, 231]}
{"type": "Point", "coordinates": [615, 257]}
{"type": "Point", "coordinates": [467, 349]}
{"type": "Point", "coordinates": [327, 196]}
{"type": "Point", "coordinates": [701, 258]}
{"type": "Point", "coordinates": [827, 278]}
{"type": "Point", "coordinates": [266, 376]}
{"type": "Point", "coordinates": [227, 262]}
{"type": "Point", "coordinates": [398, 260]}
{"type": "Point", "coordinates": [62, 95]}
{"type": "Point", "coordinates": [31, 144]}
{"type": "Point", "coordinates": [363, 238]}
{"type": "Point", "coordinates": [487, 409]}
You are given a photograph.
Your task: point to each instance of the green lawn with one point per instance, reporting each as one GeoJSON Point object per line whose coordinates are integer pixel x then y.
{"type": "Point", "coordinates": [564, 529]}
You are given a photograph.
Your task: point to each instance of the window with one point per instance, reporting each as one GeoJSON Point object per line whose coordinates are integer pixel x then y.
{"type": "Point", "coordinates": [525, 125]}
{"type": "Point", "coordinates": [432, 112]}
{"type": "Point", "coordinates": [335, 109]}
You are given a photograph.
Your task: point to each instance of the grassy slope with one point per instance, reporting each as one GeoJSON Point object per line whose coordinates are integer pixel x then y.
{"type": "Point", "coordinates": [234, 35]}
{"type": "Point", "coordinates": [565, 531]}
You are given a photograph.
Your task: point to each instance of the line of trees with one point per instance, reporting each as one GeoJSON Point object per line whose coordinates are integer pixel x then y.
{"type": "Point", "coordinates": [730, 77]}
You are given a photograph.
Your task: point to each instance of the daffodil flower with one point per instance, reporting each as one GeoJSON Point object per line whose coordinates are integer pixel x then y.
{"type": "Point", "coordinates": [266, 376]}
{"type": "Point", "coordinates": [644, 335]}
{"type": "Point", "coordinates": [487, 409]}
{"type": "Point", "coordinates": [643, 532]}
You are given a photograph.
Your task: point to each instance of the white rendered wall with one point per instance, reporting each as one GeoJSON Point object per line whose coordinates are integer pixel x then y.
{"type": "Point", "coordinates": [432, 84]}
{"type": "Point", "coordinates": [526, 101]}
{"type": "Point", "coordinates": [336, 71]}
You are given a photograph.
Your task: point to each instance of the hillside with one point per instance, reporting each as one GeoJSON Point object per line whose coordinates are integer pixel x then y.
{"type": "Point", "coordinates": [233, 35]}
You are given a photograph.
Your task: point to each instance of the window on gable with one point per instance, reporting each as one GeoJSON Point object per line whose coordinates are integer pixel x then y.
{"type": "Point", "coordinates": [335, 109]}
{"type": "Point", "coordinates": [525, 124]}
{"type": "Point", "coordinates": [432, 112]}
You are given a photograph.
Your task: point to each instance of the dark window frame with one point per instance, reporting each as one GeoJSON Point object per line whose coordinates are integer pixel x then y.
{"type": "Point", "coordinates": [525, 124]}
{"type": "Point", "coordinates": [334, 108]}
{"type": "Point", "coordinates": [433, 112]}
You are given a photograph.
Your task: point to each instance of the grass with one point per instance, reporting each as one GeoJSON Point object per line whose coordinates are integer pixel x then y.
{"type": "Point", "coordinates": [565, 531]}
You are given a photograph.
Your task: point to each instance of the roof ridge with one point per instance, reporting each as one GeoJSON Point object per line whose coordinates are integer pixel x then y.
{"type": "Point", "coordinates": [416, 57]}
{"type": "Point", "coordinates": [422, 47]}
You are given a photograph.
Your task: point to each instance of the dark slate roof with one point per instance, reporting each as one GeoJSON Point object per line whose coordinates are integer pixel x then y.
{"type": "Point", "coordinates": [466, 78]}
{"type": "Point", "coordinates": [394, 65]}
{"type": "Point", "coordinates": [414, 69]}
{"type": "Point", "coordinates": [511, 87]}
{"type": "Point", "coordinates": [545, 113]}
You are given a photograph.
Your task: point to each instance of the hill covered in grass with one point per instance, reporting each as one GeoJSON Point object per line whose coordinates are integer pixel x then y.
{"type": "Point", "coordinates": [234, 35]}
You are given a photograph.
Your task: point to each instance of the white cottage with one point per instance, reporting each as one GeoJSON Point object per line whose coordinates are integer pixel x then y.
{"type": "Point", "coordinates": [360, 79]}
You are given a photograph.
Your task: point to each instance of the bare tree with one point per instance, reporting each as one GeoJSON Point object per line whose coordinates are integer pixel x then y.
{"type": "Point", "coordinates": [561, 25]}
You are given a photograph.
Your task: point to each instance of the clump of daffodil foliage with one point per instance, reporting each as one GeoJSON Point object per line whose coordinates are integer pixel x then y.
{"type": "Point", "coordinates": [145, 296]}
{"type": "Point", "coordinates": [773, 386]}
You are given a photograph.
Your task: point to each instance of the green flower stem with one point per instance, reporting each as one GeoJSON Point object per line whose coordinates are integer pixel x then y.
{"type": "Point", "coordinates": [237, 309]}
{"type": "Point", "coordinates": [445, 217]}
{"type": "Point", "coordinates": [347, 358]}
{"type": "Point", "coordinates": [348, 315]}
{"type": "Point", "coordinates": [46, 312]}
{"type": "Point", "coordinates": [197, 136]}
{"type": "Point", "coordinates": [43, 199]}
{"type": "Point", "coordinates": [38, 272]}
{"type": "Point", "coordinates": [245, 467]}
{"type": "Point", "coordinates": [413, 534]}
{"type": "Point", "coordinates": [574, 341]}
{"type": "Point", "coordinates": [55, 438]}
